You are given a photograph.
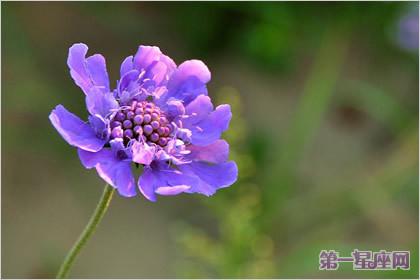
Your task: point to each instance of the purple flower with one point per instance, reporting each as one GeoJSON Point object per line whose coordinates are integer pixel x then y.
{"type": "Point", "coordinates": [158, 116]}
{"type": "Point", "coordinates": [408, 31]}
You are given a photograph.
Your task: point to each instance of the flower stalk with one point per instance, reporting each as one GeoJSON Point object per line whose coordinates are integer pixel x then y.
{"type": "Point", "coordinates": [87, 232]}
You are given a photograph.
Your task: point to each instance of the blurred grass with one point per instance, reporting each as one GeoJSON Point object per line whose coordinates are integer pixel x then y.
{"type": "Point", "coordinates": [312, 105]}
{"type": "Point", "coordinates": [378, 104]}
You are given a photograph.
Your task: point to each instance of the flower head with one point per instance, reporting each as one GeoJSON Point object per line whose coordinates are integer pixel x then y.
{"type": "Point", "coordinates": [158, 116]}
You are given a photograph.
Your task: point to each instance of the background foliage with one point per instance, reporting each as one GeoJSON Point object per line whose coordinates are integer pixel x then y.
{"type": "Point", "coordinates": [324, 131]}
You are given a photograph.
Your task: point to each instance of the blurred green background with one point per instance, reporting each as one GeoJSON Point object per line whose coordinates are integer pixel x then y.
{"type": "Point", "coordinates": [324, 131]}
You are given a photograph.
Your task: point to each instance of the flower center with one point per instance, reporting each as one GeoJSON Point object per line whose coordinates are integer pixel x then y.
{"type": "Point", "coordinates": [141, 119]}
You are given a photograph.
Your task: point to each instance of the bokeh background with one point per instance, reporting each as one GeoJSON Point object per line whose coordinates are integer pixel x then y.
{"type": "Point", "coordinates": [324, 131]}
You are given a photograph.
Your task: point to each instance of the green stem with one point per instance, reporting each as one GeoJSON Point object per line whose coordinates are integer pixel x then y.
{"type": "Point", "coordinates": [87, 232]}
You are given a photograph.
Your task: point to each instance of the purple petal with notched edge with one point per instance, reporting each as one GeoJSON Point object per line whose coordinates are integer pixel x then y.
{"type": "Point", "coordinates": [115, 172]}
{"type": "Point", "coordinates": [129, 87]}
{"type": "Point", "coordinates": [156, 65]}
{"type": "Point", "coordinates": [76, 132]}
{"type": "Point", "coordinates": [126, 65]}
{"type": "Point", "coordinates": [147, 184]}
{"type": "Point", "coordinates": [206, 125]}
{"type": "Point", "coordinates": [217, 152]}
{"type": "Point", "coordinates": [142, 153]}
{"type": "Point", "coordinates": [117, 145]}
{"type": "Point", "coordinates": [210, 129]}
{"type": "Point", "coordinates": [211, 176]}
{"type": "Point", "coordinates": [100, 126]}
{"type": "Point", "coordinates": [90, 159]}
{"type": "Point", "coordinates": [96, 68]}
{"type": "Point", "coordinates": [188, 81]}
{"type": "Point", "coordinates": [157, 72]}
{"type": "Point", "coordinates": [127, 79]}
{"type": "Point", "coordinates": [87, 72]}
{"type": "Point", "coordinates": [121, 151]}
{"type": "Point", "coordinates": [172, 190]}
{"type": "Point", "coordinates": [164, 180]}
{"type": "Point", "coordinates": [173, 108]}
{"type": "Point", "coordinates": [101, 103]}
{"type": "Point", "coordinates": [198, 109]}
{"type": "Point", "coordinates": [76, 63]}
{"type": "Point", "coordinates": [119, 175]}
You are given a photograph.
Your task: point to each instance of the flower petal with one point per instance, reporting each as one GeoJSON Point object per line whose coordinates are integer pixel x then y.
{"type": "Point", "coordinates": [129, 87]}
{"type": "Point", "coordinates": [115, 172]}
{"type": "Point", "coordinates": [90, 160]}
{"type": "Point", "coordinates": [157, 72]}
{"type": "Point", "coordinates": [211, 176]}
{"type": "Point", "coordinates": [100, 126]}
{"type": "Point", "coordinates": [173, 108]}
{"type": "Point", "coordinates": [128, 79]}
{"type": "Point", "coordinates": [217, 152]}
{"type": "Point", "coordinates": [119, 175]}
{"type": "Point", "coordinates": [164, 180]}
{"type": "Point", "coordinates": [156, 65]}
{"type": "Point", "coordinates": [101, 103]}
{"type": "Point", "coordinates": [189, 81]}
{"type": "Point", "coordinates": [96, 68]}
{"type": "Point", "coordinates": [206, 125]}
{"type": "Point", "coordinates": [211, 128]}
{"type": "Point", "coordinates": [170, 177]}
{"type": "Point", "coordinates": [198, 109]}
{"type": "Point", "coordinates": [120, 150]}
{"type": "Point", "coordinates": [147, 184]}
{"type": "Point", "coordinates": [142, 153]}
{"type": "Point", "coordinates": [172, 190]}
{"type": "Point", "coordinates": [76, 132]}
{"type": "Point", "coordinates": [126, 65]}
{"type": "Point", "coordinates": [89, 72]}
